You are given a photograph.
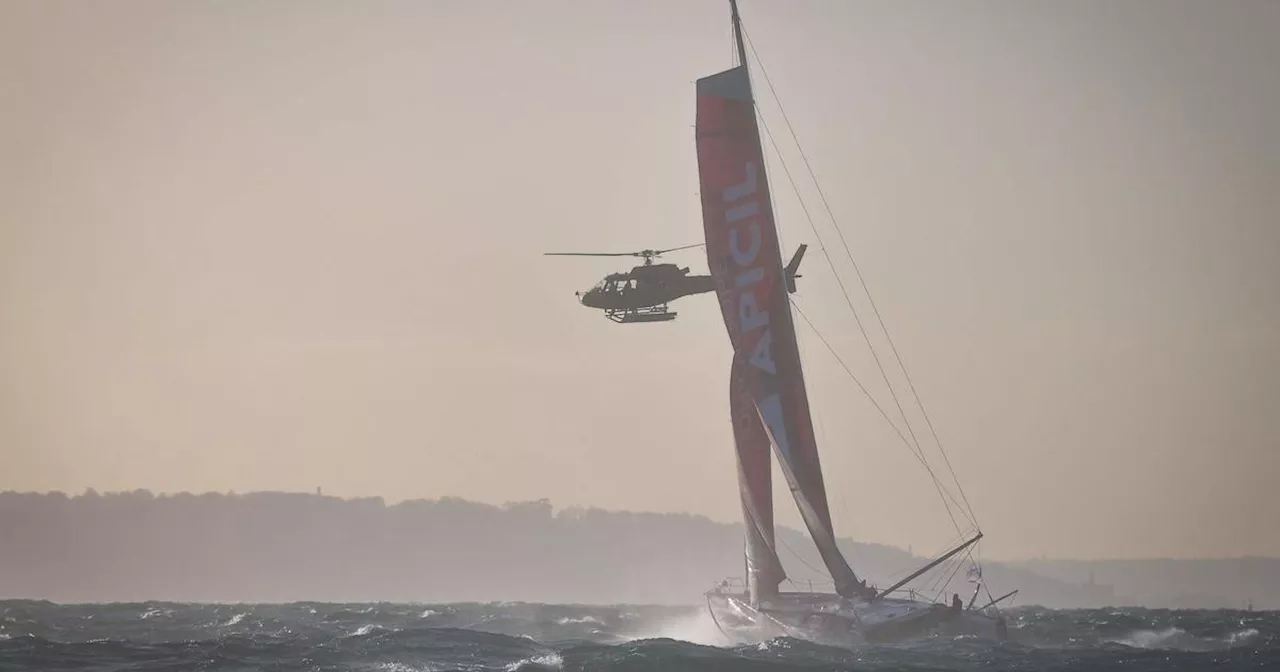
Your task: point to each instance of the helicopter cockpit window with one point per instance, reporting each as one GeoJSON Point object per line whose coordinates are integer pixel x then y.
{"type": "Point", "coordinates": [615, 286]}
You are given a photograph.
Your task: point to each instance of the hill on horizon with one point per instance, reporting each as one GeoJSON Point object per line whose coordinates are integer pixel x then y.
{"type": "Point", "coordinates": [283, 547]}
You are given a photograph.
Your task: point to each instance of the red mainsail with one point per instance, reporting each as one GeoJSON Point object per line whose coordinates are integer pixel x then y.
{"type": "Point", "coordinates": [746, 264]}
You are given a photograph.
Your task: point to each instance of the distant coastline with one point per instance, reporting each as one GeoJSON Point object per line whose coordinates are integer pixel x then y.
{"type": "Point", "coordinates": [284, 547]}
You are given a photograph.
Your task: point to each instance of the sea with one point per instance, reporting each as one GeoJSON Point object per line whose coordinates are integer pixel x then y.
{"type": "Point", "coordinates": [515, 637]}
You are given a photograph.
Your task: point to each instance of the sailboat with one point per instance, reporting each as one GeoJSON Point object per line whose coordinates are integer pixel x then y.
{"type": "Point", "coordinates": [770, 409]}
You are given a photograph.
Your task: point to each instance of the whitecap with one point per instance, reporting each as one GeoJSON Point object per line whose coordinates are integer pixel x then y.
{"type": "Point", "coordinates": [235, 620]}
{"type": "Point", "coordinates": [405, 667]}
{"type": "Point", "coordinates": [551, 660]}
{"type": "Point", "coordinates": [584, 619]}
{"type": "Point", "coordinates": [1237, 638]}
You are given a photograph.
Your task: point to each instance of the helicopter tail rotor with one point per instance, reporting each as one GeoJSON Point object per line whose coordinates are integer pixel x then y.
{"type": "Point", "coordinates": [792, 267]}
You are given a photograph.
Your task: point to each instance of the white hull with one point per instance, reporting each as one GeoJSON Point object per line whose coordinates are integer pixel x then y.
{"type": "Point", "coordinates": [830, 619]}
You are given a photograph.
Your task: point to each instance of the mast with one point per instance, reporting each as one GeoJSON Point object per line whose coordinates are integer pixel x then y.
{"type": "Point", "coordinates": [737, 33]}
{"type": "Point", "coordinates": [767, 387]}
{"type": "Point", "coordinates": [755, 464]}
{"type": "Point", "coordinates": [755, 489]}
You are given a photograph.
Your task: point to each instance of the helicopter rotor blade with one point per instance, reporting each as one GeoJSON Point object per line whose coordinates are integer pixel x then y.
{"type": "Point", "coordinates": [641, 253]}
{"type": "Point", "coordinates": [674, 249]}
{"type": "Point", "coordinates": [589, 254]}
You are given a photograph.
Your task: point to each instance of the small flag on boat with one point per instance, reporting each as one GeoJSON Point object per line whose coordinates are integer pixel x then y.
{"type": "Point", "coordinates": [975, 574]}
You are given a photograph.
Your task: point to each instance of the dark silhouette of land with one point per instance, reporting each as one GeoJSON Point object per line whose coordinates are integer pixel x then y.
{"type": "Point", "coordinates": [280, 547]}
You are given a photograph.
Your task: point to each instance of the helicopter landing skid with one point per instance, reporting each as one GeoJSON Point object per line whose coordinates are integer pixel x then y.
{"type": "Point", "coordinates": [658, 313]}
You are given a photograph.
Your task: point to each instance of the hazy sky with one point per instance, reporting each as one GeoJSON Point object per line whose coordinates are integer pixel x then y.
{"type": "Point", "coordinates": [281, 245]}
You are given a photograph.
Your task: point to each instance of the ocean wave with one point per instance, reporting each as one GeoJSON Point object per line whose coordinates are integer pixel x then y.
{"type": "Point", "coordinates": [524, 637]}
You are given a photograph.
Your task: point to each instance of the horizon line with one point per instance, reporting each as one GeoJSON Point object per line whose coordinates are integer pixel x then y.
{"type": "Point", "coordinates": [90, 492]}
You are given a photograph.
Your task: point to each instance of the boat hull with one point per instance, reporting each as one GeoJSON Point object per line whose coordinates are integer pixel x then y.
{"type": "Point", "coordinates": [833, 620]}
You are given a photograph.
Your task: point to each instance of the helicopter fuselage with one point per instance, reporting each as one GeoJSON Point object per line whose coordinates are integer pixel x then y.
{"type": "Point", "coordinates": [645, 286]}
{"type": "Point", "coordinates": [642, 293]}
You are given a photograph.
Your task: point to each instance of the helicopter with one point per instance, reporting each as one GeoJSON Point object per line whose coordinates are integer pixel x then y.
{"type": "Point", "coordinates": [642, 293]}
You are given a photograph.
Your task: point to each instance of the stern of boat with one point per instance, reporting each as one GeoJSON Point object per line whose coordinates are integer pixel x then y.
{"type": "Point", "coordinates": [896, 620]}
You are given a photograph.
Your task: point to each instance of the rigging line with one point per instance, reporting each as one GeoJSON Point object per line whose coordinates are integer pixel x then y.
{"type": "Point", "coordinates": [919, 456]}
{"type": "Point", "coordinates": [913, 447]}
{"type": "Point", "coordinates": [943, 492]}
{"type": "Point", "coordinates": [787, 546]}
{"type": "Point", "coordinates": [769, 171]}
{"type": "Point", "coordinates": [844, 290]}
{"type": "Point", "coordinates": [914, 451]}
{"type": "Point", "coordinates": [988, 589]}
{"type": "Point", "coordinates": [917, 449]}
{"type": "Point", "coordinates": [956, 570]}
{"type": "Point", "coordinates": [821, 246]}
{"type": "Point", "coordinates": [822, 196]}
{"type": "Point", "coordinates": [893, 578]}
{"type": "Point", "coordinates": [827, 254]}
{"type": "Point", "coordinates": [935, 575]}
{"type": "Point", "coordinates": [938, 585]}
